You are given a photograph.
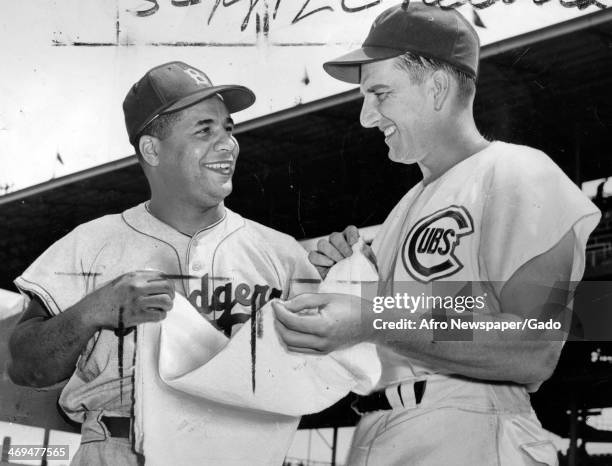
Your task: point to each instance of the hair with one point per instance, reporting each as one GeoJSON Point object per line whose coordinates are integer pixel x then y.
{"type": "Point", "coordinates": [418, 67]}
{"type": "Point", "coordinates": [160, 128]}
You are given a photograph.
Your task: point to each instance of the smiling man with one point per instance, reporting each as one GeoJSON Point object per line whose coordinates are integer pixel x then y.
{"type": "Point", "coordinates": [499, 217]}
{"type": "Point", "coordinates": [90, 289]}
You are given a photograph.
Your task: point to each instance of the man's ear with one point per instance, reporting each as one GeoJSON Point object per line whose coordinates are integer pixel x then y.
{"type": "Point", "coordinates": [149, 148]}
{"type": "Point", "coordinates": [440, 88]}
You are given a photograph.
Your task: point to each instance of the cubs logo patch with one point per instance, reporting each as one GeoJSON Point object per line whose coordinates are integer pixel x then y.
{"type": "Point", "coordinates": [428, 251]}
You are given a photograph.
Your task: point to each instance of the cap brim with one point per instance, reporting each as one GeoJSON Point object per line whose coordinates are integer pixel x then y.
{"type": "Point", "coordinates": [234, 97]}
{"type": "Point", "coordinates": [347, 68]}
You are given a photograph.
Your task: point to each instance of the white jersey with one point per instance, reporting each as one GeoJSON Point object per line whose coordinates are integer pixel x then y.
{"type": "Point", "coordinates": [239, 265]}
{"type": "Point", "coordinates": [480, 221]}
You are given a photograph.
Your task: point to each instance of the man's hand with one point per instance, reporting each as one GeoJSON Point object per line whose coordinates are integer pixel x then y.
{"type": "Point", "coordinates": [134, 298]}
{"type": "Point", "coordinates": [335, 321]}
{"type": "Point", "coordinates": [332, 250]}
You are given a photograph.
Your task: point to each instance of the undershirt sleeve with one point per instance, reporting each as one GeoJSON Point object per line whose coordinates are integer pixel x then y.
{"type": "Point", "coordinates": [529, 206]}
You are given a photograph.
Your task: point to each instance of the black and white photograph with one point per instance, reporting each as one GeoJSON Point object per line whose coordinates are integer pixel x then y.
{"type": "Point", "coordinates": [306, 233]}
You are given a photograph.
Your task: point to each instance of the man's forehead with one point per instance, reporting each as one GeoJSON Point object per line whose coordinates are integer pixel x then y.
{"type": "Point", "coordinates": [377, 74]}
{"type": "Point", "coordinates": [210, 108]}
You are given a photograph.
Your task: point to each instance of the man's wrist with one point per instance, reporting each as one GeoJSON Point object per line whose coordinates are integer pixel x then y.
{"type": "Point", "coordinates": [94, 314]}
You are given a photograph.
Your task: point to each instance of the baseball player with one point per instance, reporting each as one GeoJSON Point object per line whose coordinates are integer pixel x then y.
{"type": "Point", "coordinates": [486, 212]}
{"type": "Point", "coordinates": [92, 288]}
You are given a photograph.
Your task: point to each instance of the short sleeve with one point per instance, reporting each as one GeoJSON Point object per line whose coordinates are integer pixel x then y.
{"type": "Point", "coordinates": [529, 206]}
{"type": "Point", "coordinates": [59, 276]}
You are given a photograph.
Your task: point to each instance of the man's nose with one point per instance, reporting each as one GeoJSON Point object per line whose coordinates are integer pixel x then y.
{"type": "Point", "coordinates": [369, 114]}
{"type": "Point", "coordinates": [227, 144]}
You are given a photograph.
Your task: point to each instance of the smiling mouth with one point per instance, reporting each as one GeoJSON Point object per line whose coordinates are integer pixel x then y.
{"type": "Point", "coordinates": [223, 168]}
{"type": "Point", "coordinates": [389, 131]}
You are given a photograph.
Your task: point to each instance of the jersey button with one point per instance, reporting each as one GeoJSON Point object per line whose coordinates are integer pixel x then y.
{"type": "Point", "coordinates": [197, 266]}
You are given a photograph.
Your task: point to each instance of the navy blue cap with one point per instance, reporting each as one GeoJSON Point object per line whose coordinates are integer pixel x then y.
{"type": "Point", "coordinates": [429, 31]}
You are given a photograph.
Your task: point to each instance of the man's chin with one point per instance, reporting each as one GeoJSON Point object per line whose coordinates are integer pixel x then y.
{"type": "Point", "coordinates": [225, 191]}
{"type": "Point", "coordinates": [219, 194]}
{"type": "Point", "coordinates": [395, 157]}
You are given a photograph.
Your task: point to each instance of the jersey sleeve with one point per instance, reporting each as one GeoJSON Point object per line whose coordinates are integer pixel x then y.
{"type": "Point", "coordinates": [530, 204]}
{"type": "Point", "coordinates": [59, 276]}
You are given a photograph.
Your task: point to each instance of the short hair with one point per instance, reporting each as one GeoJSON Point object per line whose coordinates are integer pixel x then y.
{"type": "Point", "coordinates": [417, 67]}
{"type": "Point", "coordinates": [160, 127]}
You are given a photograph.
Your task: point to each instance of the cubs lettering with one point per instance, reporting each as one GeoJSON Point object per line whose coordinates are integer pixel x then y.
{"type": "Point", "coordinates": [223, 299]}
{"type": "Point", "coordinates": [428, 251]}
{"type": "Point", "coordinates": [431, 239]}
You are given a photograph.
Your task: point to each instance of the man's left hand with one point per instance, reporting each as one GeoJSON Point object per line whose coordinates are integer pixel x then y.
{"type": "Point", "coordinates": [334, 322]}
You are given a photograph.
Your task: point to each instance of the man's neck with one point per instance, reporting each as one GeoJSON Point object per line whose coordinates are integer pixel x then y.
{"type": "Point", "coordinates": [449, 151]}
{"type": "Point", "coordinates": [185, 218]}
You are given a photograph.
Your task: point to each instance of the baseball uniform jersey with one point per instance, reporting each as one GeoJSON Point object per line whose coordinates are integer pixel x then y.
{"type": "Point", "coordinates": [479, 221]}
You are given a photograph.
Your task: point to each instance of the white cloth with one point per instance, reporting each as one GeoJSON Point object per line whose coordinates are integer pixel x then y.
{"type": "Point", "coordinates": [173, 427]}
{"type": "Point", "coordinates": [194, 358]}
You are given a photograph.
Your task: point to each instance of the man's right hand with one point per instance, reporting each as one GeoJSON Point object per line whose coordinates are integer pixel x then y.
{"type": "Point", "coordinates": [332, 250]}
{"type": "Point", "coordinates": [140, 296]}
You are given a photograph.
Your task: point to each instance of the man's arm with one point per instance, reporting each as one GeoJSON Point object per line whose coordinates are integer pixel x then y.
{"type": "Point", "coordinates": [505, 356]}
{"type": "Point", "coordinates": [44, 350]}
{"type": "Point", "coordinates": [56, 342]}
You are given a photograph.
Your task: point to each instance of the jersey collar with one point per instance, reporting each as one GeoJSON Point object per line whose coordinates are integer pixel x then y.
{"type": "Point", "coordinates": [142, 221]}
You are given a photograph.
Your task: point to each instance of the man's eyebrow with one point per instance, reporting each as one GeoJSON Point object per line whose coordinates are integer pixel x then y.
{"type": "Point", "coordinates": [207, 121]}
{"type": "Point", "coordinates": [210, 121]}
{"type": "Point", "coordinates": [377, 87]}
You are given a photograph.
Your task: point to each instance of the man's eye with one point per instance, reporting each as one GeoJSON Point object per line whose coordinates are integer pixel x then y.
{"type": "Point", "coordinates": [204, 131]}
{"type": "Point", "coordinates": [229, 129]}
{"type": "Point", "coordinates": [381, 95]}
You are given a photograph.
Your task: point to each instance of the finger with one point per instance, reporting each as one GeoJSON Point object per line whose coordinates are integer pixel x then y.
{"type": "Point", "coordinates": [157, 276]}
{"type": "Point", "coordinates": [308, 324]}
{"type": "Point", "coordinates": [150, 274]}
{"type": "Point", "coordinates": [157, 301]}
{"type": "Point", "coordinates": [339, 242]}
{"type": "Point", "coordinates": [153, 315]}
{"type": "Point", "coordinates": [325, 248]}
{"type": "Point", "coordinates": [318, 259]}
{"type": "Point", "coordinates": [162, 286]}
{"type": "Point", "coordinates": [306, 301]}
{"type": "Point", "coordinates": [351, 234]}
{"type": "Point", "coordinates": [322, 271]}
{"type": "Point", "coordinates": [297, 339]}
{"type": "Point", "coordinates": [147, 315]}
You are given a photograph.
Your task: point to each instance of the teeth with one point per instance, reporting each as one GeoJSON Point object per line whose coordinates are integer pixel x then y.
{"type": "Point", "coordinates": [219, 166]}
{"type": "Point", "coordinates": [389, 131]}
